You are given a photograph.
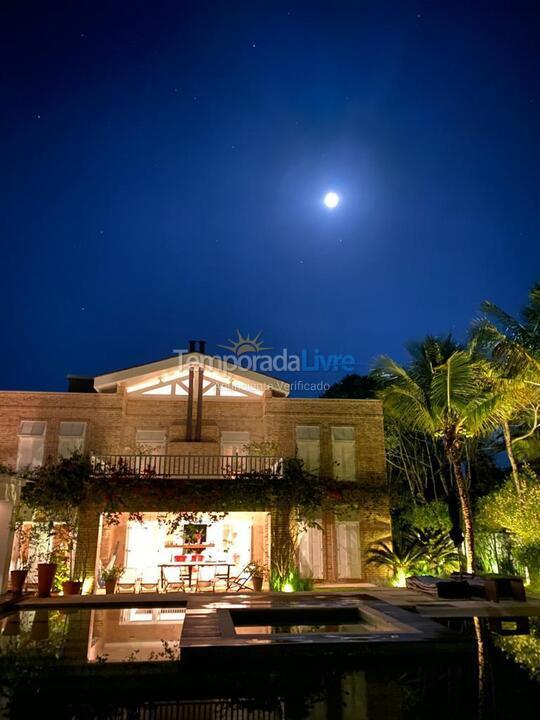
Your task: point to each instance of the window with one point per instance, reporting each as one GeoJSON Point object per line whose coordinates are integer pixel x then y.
{"type": "Point", "coordinates": [31, 444]}
{"type": "Point", "coordinates": [234, 443]}
{"type": "Point", "coordinates": [308, 446]}
{"type": "Point", "coordinates": [344, 453]}
{"type": "Point", "coordinates": [310, 553]}
{"type": "Point", "coordinates": [71, 438]}
{"type": "Point", "coordinates": [348, 547]}
{"type": "Point", "coordinates": [151, 442]}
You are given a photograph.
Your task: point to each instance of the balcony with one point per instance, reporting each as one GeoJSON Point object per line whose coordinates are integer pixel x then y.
{"type": "Point", "coordinates": [186, 466]}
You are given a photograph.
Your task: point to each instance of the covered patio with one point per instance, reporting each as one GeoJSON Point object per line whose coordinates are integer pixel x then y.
{"type": "Point", "coordinates": [204, 552]}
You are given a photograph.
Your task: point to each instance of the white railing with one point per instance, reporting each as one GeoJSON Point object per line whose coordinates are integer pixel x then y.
{"type": "Point", "coordinates": [186, 466]}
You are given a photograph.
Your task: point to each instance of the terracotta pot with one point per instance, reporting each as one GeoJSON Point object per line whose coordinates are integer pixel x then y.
{"type": "Point", "coordinates": [40, 626]}
{"type": "Point", "coordinates": [17, 579]}
{"type": "Point", "coordinates": [46, 573]}
{"type": "Point", "coordinates": [13, 625]}
{"type": "Point", "coordinates": [257, 582]}
{"type": "Point", "coordinates": [72, 587]}
{"type": "Point", "coordinates": [110, 587]}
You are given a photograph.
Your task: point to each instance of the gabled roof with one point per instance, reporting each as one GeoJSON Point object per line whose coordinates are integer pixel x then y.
{"type": "Point", "coordinates": [150, 377]}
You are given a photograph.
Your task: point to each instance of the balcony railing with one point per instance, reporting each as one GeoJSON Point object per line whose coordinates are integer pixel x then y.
{"type": "Point", "coordinates": [186, 466]}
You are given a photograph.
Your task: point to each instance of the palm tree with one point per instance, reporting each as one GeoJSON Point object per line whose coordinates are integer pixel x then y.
{"type": "Point", "coordinates": [457, 403]}
{"type": "Point", "coordinates": [513, 348]}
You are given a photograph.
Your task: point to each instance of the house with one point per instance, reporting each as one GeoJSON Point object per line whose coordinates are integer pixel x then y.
{"type": "Point", "coordinates": [196, 417]}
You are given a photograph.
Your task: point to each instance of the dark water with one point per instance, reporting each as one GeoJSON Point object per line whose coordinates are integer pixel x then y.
{"type": "Point", "coordinates": [66, 665]}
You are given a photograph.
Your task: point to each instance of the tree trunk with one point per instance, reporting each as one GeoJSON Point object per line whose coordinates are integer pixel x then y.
{"type": "Point", "coordinates": [466, 511]}
{"type": "Point", "coordinates": [511, 457]}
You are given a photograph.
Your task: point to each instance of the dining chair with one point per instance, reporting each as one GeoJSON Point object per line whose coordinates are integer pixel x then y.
{"type": "Point", "coordinates": [149, 581]}
{"type": "Point", "coordinates": [128, 581]}
{"type": "Point", "coordinates": [222, 576]}
{"type": "Point", "coordinates": [173, 580]}
{"type": "Point", "coordinates": [205, 578]}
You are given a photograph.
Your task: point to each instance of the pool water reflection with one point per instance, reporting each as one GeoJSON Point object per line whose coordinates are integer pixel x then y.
{"type": "Point", "coordinates": [42, 653]}
{"type": "Point", "coordinates": [96, 635]}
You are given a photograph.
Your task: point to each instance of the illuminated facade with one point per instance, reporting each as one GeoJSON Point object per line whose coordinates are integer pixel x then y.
{"type": "Point", "coordinates": [194, 416]}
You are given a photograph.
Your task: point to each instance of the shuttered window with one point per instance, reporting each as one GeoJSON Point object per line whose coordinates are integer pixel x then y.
{"type": "Point", "coordinates": [71, 438]}
{"type": "Point", "coordinates": [344, 453]}
{"type": "Point", "coordinates": [308, 446]}
{"type": "Point", "coordinates": [310, 553]}
{"type": "Point", "coordinates": [31, 444]}
{"type": "Point", "coordinates": [348, 545]}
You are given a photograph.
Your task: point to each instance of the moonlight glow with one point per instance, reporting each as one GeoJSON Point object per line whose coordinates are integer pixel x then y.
{"type": "Point", "coordinates": [331, 200]}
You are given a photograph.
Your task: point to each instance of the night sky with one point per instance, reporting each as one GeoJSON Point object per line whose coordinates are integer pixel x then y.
{"type": "Point", "coordinates": [163, 165]}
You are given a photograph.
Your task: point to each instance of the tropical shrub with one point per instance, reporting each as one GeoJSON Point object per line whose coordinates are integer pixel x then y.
{"type": "Point", "coordinates": [420, 552]}
{"type": "Point", "coordinates": [401, 560]}
{"type": "Point", "coordinates": [504, 509]}
{"type": "Point", "coordinates": [430, 516]}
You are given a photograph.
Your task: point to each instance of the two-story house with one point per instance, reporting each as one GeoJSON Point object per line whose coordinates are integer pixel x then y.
{"type": "Point", "coordinates": [195, 416]}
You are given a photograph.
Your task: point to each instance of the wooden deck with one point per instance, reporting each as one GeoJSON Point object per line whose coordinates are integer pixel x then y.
{"type": "Point", "coordinates": [396, 620]}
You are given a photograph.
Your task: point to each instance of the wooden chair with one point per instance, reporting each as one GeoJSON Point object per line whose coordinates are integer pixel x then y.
{"type": "Point", "coordinates": [174, 579]}
{"type": "Point", "coordinates": [149, 581]}
{"type": "Point", "coordinates": [240, 582]}
{"type": "Point", "coordinates": [128, 581]}
{"type": "Point", "coordinates": [222, 576]}
{"type": "Point", "coordinates": [206, 578]}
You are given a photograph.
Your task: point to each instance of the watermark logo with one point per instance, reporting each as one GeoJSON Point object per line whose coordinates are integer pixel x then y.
{"type": "Point", "coordinates": [246, 344]}
{"type": "Point", "coordinates": [249, 353]}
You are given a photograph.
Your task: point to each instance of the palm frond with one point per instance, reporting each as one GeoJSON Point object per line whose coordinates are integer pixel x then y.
{"type": "Point", "coordinates": [455, 383]}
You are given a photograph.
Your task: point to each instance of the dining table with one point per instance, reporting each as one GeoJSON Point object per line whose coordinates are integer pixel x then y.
{"type": "Point", "coordinates": [196, 564]}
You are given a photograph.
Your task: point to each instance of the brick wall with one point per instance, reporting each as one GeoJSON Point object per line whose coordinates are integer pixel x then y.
{"type": "Point", "coordinates": [113, 419]}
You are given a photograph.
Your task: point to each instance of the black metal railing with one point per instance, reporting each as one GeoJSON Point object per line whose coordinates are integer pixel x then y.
{"type": "Point", "coordinates": [186, 466]}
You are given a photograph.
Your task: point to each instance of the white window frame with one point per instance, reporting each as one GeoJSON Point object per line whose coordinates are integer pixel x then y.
{"type": "Point", "coordinates": [234, 443]}
{"type": "Point", "coordinates": [344, 452]}
{"type": "Point", "coordinates": [308, 446]}
{"type": "Point", "coordinates": [69, 442]}
{"type": "Point", "coordinates": [31, 443]}
{"type": "Point", "coordinates": [153, 442]}
{"type": "Point", "coordinates": [311, 552]}
{"type": "Point", "coordinates": [349, 550]}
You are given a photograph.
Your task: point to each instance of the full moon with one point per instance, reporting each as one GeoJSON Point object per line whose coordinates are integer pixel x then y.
{"type": "Point", "coordinates": [331, 200]}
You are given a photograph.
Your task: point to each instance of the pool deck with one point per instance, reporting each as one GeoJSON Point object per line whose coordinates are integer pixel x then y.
{"type": "Point", "coordinates": [419, 602]}
{"type": "Point", "coordinates": [400, 618]}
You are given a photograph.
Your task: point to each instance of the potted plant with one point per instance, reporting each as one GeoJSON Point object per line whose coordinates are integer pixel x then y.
{"type": "Point", "coordinates": [71, 541]}
{"type": "Point", "coordinates": [24, 554]}
{"type": "Point", "coordinates": [111, 576]}
{"type": "Point", "coordinates": [46, 569]}
{"type": "Point", "coordinates": [259, 572]}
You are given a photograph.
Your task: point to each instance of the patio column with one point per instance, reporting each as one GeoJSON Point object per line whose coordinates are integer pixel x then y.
{"type": "Point", "coordinates": [87, 546]}
{"type": "Point", "coordinates": [9, 497]}
{"type": "Point", "coordinates": [6, 542]}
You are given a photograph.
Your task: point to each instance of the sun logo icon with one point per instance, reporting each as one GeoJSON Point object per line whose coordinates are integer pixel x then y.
{"type": "Point", "coordinates": [246, 344]}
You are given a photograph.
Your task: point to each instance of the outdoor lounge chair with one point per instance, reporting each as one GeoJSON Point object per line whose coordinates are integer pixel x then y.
{"type": "Point", "coordinates": [240, 582]}
{"type": "Point", "coordinates": [494, 587]}
{"type": "Point", "coordinates": [448, 589]}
